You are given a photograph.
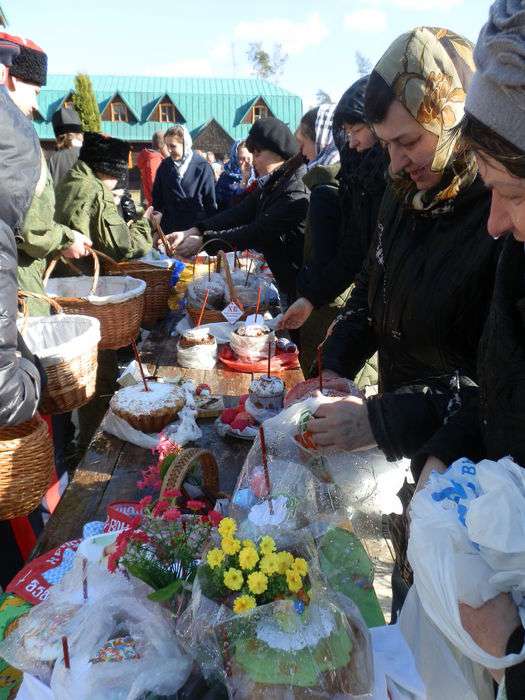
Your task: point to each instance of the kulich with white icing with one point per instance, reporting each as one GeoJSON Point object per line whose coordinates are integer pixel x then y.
{"type": "Point", "coordinates": [251, 342]}
{"type": "Point", "coordinates": [197, 349]}
{"type": "Point", "coordinates": [148, 411]}
{"type": "Point", "coordinates": [267, 393]}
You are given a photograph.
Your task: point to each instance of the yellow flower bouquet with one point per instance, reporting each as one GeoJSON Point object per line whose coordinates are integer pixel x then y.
{"type": "Point", "coordinates": [261, 620]}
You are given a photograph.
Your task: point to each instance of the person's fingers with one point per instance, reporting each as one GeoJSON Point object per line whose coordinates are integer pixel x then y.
{"type": "Point", "coordinates": [325, 440]}
{"type": "Point", "coordinates": [319, 425]}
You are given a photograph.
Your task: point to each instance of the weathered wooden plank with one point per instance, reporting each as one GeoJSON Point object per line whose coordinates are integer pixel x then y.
{"type": "Point", "coordinates": [83, 494]}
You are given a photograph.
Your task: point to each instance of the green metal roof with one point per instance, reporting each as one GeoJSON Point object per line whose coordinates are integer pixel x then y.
{"type": "Point", "coordinates": [198, 100]}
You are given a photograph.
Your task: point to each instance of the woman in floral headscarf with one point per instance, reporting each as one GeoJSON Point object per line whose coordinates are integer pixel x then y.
{"type": "Point", "coordinates": [422, 297]}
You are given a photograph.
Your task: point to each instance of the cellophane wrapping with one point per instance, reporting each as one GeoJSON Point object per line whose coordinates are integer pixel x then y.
{"type": "Point", "coordinates": [280, 650]}
{"type": "Point", "coordinates": [116, 608]}
{"type": "Point", "coordinates": [216, 288]}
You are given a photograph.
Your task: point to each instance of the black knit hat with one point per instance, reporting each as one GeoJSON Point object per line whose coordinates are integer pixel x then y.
{"type": "Point", "coordinates": [105, 154]}
{"type": "Point", "coordinates": [271, 134]}
{"type": "Point", "coordinates": [66, 121]}
{"type": "Point", "coordinates": [31, 63]}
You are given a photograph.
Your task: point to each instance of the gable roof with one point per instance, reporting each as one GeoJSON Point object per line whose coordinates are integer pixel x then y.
{"type": "Point", "coordinates": [243, 111]}
{"type": "Point", "coordinates": [199, 100]}
{"type": "Point", "coordinates": [156, 104]}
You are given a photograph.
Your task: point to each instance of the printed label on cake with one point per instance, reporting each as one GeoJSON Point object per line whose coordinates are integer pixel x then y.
{"type": "Point", "coordinates": [232, 313]}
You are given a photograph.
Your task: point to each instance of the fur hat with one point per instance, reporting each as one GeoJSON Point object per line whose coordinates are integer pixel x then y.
{"type": "Point", "coordinates": [30, 65]}
{"type": "Point", "coordinates": [66, 121]}
{"type": "Point", "coordinates": [105, 154]}
{"type": "Point", "coordinates": [271, 134]}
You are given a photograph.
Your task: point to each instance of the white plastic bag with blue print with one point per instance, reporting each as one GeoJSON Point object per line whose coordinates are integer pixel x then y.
{"type": "Point", "coordinates": [467, 545]}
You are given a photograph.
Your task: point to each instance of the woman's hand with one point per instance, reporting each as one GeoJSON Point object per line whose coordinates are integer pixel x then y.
{"type": "Point", "coordinates": [432, 464]}
{"type": "Point", "coordinates": [189, 246]}
{"type": "Point", "coordinates": [343, 424]}
{"type": "Point", "coordinates": [79, 248]}
{"type": "Point", "coordinates": [176, 238]}
{"type": "Point", "coordinates": [491, 625]}
{"type": "Point", "coordinates": [296, 314]}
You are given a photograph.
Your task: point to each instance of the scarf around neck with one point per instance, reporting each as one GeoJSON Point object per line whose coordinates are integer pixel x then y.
{"type": "Point", "coordinates": [325, 148]}
{"type": "Point", "coordinates": [429, 70]}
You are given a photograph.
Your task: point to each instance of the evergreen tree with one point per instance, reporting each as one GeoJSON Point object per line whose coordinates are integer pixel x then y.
{"type": "Point", "coordinates": [364, 65]}
{"type": "Point", "coordinates": [84, 101]}
{"type": "Point", "coordinates": [323, 98]}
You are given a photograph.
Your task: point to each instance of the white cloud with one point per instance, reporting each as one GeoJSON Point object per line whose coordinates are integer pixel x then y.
{"type": "Point", "coordinates": [220, 50]}
{"type": "Point", "coordinates": [294, 37]}
{"type": "Point", "coordinates": [185, 67]}
{"type": "Point", "coordinates": [366, 20]}
{"type": "Point", "coordinates": [425, 4]}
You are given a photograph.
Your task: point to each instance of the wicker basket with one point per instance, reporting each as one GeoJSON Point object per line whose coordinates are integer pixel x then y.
{"type": "Point", "coordinates": [184, 463]}
{"type": "Point", "coordinates": [26, 466]}
{"type": "Point", "coordinates": [157, 281]}
{"type": "Point", "coordinates": [215, 315]}
{"type": "Point", "coordinates": [71, 380]}
{"type": "Point", "coordinates": [119, 321]}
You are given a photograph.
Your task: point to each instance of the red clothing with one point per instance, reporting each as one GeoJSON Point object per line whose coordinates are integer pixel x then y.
{"type": "Point", "coordinates": [148, 161]}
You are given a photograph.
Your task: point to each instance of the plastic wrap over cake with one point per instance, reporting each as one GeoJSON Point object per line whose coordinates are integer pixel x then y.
{"type": "Point", "coordinates": [216, 288]}
{"type": "Point", "coordinates": [197, 349]}
{"type": "Point", "coordinates": [312, 643]}
{"type": "Point", "coordinates": [356, 485]}
{"type": "Point", "coordinates": [251, 342]}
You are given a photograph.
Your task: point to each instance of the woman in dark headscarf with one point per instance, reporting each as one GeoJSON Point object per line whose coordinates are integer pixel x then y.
{"type": "Point", "coordinates": [342, 214]}
{"type": "Point", "coordinates": [236, 177]}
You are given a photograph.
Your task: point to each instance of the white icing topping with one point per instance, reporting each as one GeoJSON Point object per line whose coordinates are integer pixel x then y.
{"type": "Point", "coordinates": [200, 333]}
{"type": "Point", "coordinates": [254, 330]}
{"type": "Point", "coordinates": [267, 386]}
{"type": "Point", "coordinates": [302, 631]}
{"type": "Point", "coordinates": [136, 400]}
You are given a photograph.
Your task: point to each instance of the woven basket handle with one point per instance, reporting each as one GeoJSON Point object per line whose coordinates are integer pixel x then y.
{"type": "Point", "coordinates": [22, 296]}
{"type": "Point", "coordinates": [96, 266]}
{"type": "Point", "coordinates": [215, 240]}
{"type": "Point", "coordinates": [111, 263]}
{"type": "Point", "coordinates": [182, 465]}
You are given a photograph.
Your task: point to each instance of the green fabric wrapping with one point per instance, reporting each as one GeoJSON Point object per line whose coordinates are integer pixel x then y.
{"type": "Point", "coordinates": [348, 570]}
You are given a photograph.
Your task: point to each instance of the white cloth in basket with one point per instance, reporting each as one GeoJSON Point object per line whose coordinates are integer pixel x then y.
{"type": "Point", "coordinates": [110, 290]}
{"type": "Point", "coordinates": [60, 337]}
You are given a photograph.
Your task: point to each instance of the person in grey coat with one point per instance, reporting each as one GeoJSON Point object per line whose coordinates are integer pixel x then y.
{"type": "Point", "coordinates": [20, 164]}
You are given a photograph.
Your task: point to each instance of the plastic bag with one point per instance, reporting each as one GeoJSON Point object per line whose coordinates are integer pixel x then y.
{"type": "Point", "coordinates": [466, 545]}
{"type": "Point", "coordinates": [200, 356]}
{"type": "Point", "coordinates": [357, 485]}
{"type": "Point", "coordinates": [216, 288]}
{"type": "Point", "coordinates": [130, 650]}
{"type": "Point", "coordinates": [282, 649]}
{"type": "Point", "coordinates": [445, 672]}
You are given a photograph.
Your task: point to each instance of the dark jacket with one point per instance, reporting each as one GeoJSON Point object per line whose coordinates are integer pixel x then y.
{"type": "Point", "coordinates": [185, 202]}
{"type": "Point", "coordinates": [420, 301]}
{"type": "Point", "coordinates": [270, 219]}
{"type": "Point", "coordinates": [323, 279]}
{"type": "Point", "coordinates": [60, 163]}
{"type": "Point", "coordinates": [20, 165]}
{"type": "Point", "coordinates": [493, 425]}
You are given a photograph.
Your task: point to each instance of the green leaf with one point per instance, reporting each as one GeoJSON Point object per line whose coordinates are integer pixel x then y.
{"type": "Point", "coordinates": [166, 464]}
{"type": "Point", "coordinates": [167, 593]}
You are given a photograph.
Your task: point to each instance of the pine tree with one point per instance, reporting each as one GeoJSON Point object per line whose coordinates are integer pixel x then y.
{"type": "Point", "coordinates": [265, 66]}
{"type": "Point", "coordinates": [85, 103]}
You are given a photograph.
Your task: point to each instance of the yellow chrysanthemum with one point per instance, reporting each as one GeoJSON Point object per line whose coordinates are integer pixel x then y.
{"type": "Point", "coordinates": [233, 579]}
{"type": "Point", "coordinates": [215, 557]}
{"type": "Point", "coordinates": [301, 566]}
{"type": "Point", "coordinates": [266, 545]}
{"type": "Point", "coordinates": [257, 582]}
{"type": "Point", "coordinates": [285, 561]}
{"type": "Point", "coordinates": [249, 543]}
{"type": "Point", "coordinates": [248, 558]}
{"type": "Point", "coordinates": [230, 545]}
{"type": "Point", "coordinates": [269, 564]}
{"type": "Point", "coordinates": [227, 527]}
{"type": "Point", "coordinates": [294, 581]}
{"type": "Point", "coordinates": [243, 603]}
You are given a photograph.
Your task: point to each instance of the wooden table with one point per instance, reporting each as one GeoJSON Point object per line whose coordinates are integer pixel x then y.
{"type": "Point", "coordinates": [111, 467]}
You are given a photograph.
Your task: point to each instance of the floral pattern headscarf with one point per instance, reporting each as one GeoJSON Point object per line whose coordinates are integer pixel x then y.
{"type": "Point", "coordinates": [429, 70]}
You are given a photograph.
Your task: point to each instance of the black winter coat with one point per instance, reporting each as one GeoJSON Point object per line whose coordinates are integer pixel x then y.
{"type": "Point", "coordinates": [493, 425]}
{"type": "Point", "coordinates": [420, 301]}
{"type": "Point", "coordinates": [185, 202]}
{"type": "Point", "coordinates": [361, 189]}
{"type": "Point", "coordinates": [271, 219]}
{"type": "Point", "coordinates": [20, 164]}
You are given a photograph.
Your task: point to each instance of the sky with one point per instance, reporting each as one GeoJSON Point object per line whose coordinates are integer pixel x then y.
{"type": "Point", "coordinates": [211, 37]}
